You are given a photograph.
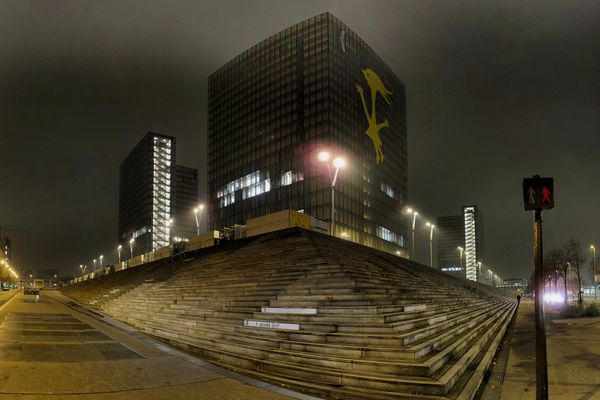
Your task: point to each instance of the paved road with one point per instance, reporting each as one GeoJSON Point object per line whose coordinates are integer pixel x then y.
{"type": "Point", "coordinates": [573, 347]}
{"type": "Point", "coordinates": [49, 350]}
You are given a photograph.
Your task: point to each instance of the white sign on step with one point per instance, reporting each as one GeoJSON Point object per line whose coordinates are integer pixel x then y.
{"type": "Point", "coordinates": [437, 319]}
{"type": "Point", "coordinates": [289, 310]}
{"type": "Point", "coordinates": [272, 325]}
{"type": "Point", "coordinates": [417, 307]}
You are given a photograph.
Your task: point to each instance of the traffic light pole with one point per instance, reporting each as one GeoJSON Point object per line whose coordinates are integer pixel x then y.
{"type": "Point", "coordinates": [540, 328]}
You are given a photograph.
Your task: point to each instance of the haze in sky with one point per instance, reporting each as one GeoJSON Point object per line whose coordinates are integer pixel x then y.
{"type": "Point", "coordinates": [496, 91]}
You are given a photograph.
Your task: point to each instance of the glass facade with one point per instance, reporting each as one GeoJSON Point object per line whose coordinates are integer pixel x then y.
{"type": "Point", "coordinates": [472, 256]}
{"type": "Point", "coordinates": [162, 172]}
{"type": "Point", "coordinates": [451, 236]}
{"type": "Point", "coordinates": [314, 86]}
{"type": "Point", "coordinates": [156, 197]}
{"type": "Point", "coordinates": [185, 199]}
{"type": "Point", "coordinates": [465, 231]}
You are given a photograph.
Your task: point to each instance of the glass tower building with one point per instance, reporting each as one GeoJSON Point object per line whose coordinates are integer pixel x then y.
{"type": "Point", "coordinates": [465, 231]}
{"type": "Point", "coordinates": [152, 191]}
{"type": "Point", "coordinates": [185, 199]}
{"type": "Point", "coordinates": [315, 86]}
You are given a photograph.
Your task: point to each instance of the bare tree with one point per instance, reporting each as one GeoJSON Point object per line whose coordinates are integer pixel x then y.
{"type": "Point", "coordinates": [555, 263]}
{"type": "Point", "coordinates": [575, 257]}
{"type": "Point", "coordinates": [552, 273]}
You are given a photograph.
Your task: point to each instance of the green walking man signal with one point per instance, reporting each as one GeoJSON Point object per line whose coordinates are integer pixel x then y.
{"type": "Point", "coordinates": [538, 193]}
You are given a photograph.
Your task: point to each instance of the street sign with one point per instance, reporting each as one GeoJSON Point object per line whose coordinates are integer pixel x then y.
{"type": "Point", "coordinates": [538, 193]}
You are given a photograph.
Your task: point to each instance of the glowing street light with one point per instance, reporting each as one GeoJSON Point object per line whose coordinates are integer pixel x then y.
{"type": "Point", "coordinates": [201, 209]}
{"type": "Point", "coordinates": [82, 268]}
{"type": "Point", "coordinates": [119, 247]}
{"type": "Point", "coordinates": [323, 156]}
{"type": "Point", "coordinates": [168, 224]}
{"type": "Point", "coordinates": [338, 162]}
{"type": "Point", "coordinates": [414, 222]}
{"type": "Point", "coordinates": [101, 257]}
{"type": "Point", "coordinates": [94, 265]}
{"type": "Point", "coordinates": [594, 268]}
{"type": "Point", "coordinates": [460, 258]}
{"type": "Point", "coordinates": [431, 228]}
{"type": "Point", "coordinates": [131, 247]}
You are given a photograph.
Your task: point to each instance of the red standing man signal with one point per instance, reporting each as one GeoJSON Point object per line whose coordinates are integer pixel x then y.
{"type": "Point", "coordinates": [546, 196]}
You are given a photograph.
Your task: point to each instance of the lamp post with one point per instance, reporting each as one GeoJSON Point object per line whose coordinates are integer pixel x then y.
{"type": "Point", "coordinates": [460, 258]}
{"type": "Point", "coordinates": [119, 247]}
{"type": "Point", "coordinates": [131, 247]}
{"type": "Point", "coordinates": [594, 268]}
{"type": "Point", "coordinates": [94, 265]}
{"type": "Point", "coordinates": [201, 209]}
{"type": "Point", "coordinates": [101, 257]}
{"type": "Point", "coordinates": [414, 222]}
{"type": "Point", "coordinates": [82, 268]}
{"type": "Point", "coordinates": [338, 163]}
{"type": "Point", "coordinates": [168, 224]}
{"type": "Point", "coordinates": [431, 228]}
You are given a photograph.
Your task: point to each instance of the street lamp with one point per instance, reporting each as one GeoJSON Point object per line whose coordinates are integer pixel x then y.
{"type": "Point", "coordinates": [101, 257]}
{"type": "Point", "coordinates": [594, 268]}
{"type": "Point", "coordinates": [460, 258]}
{"type": "Point", "coordinates": [414, 221]}
{"type": "Point", "coordinates": [82, 268]}
{"type": "Point", "coordinates": [201, 209]}
{"type": "Point", "coordinates": [94, 265]}
{"type": "Point", "coordinates": [131, 247]}
{"type": "Point", "coordinates": [168, 224]}
{"type": "Point", "coordinates": [431, 228]}
{"type": "Point", "coordinates": [338, 163]}
{"type": "Point", "coordinates": [119, 247]}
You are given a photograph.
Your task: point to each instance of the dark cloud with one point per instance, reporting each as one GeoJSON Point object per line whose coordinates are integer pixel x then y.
{"type": "Point", "coordinates": [496, 91]}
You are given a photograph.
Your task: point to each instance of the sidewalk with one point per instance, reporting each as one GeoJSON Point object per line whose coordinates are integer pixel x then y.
{"type": "Point", "coordinates": [573, 347]}
{"type": "Point", "coordinates": [49, 351]}
{"type": "Point", "coordinates": [5, 296]}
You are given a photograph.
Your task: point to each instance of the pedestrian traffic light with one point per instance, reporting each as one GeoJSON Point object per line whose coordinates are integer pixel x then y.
{"type": "Point", "coordinates": [538, 193]}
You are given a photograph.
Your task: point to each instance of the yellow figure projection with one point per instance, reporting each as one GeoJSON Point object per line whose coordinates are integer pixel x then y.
{"type": "Point", "coordinates": [376, 86]}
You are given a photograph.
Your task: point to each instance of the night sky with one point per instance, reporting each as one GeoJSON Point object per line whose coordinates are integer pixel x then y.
{"type": "Point", "coordinates": [496, 91]}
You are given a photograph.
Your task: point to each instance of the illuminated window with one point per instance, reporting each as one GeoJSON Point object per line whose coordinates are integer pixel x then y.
{"type": "Point", "coordinates": [251, 185]}
{"type": "Point", "coordinates": [161, 192]}
{"type": "Point", "coordinates": [140, 232]}
{"type": "Point", "coordinates": [389, 236]}
{"type": "Point", "coordinates": [256, 189]}
{"type": "Point", "coordinates": [470, 243]}
{"type": "Point", "coordinates": [387, 189]}
{"type": "Point", "coordinates": [289, 177]}
{"type": "Point", "coordinates": [286, 179]}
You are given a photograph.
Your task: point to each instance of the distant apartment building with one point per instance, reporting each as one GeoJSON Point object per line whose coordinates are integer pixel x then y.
{"type": "Point", "coordinates": [315, 86]}
{"type": "Point", "coordinates": [519, 284]}
{"type": "Point", "coordinates": [460, 243]}
{"type": "Point", "coordinates": [153, 192]}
